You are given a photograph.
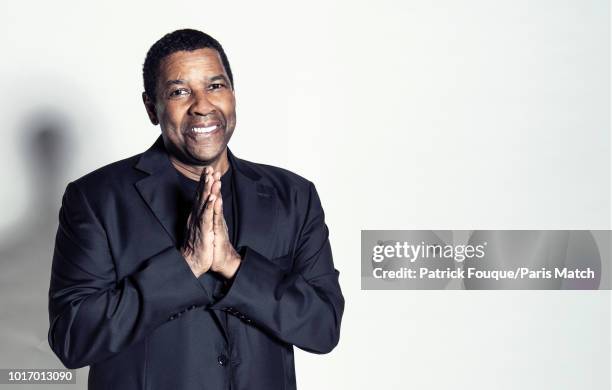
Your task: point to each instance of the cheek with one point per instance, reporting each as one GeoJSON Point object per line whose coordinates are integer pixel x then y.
{"type": "Point", "coordinates": [230, 111]}
{"type": "Point", "coordinates": [172, 118]}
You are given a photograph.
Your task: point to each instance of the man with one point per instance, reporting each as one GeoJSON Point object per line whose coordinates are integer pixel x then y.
{"type": "Point", "coordinates": [186, 267]}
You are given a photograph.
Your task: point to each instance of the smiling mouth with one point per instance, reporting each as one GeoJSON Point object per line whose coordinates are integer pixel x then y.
{"type": "Point", "coordinates": [204, 130]}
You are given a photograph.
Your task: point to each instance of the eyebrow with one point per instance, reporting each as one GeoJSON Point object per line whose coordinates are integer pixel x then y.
{"type": "Point", "coordinates": [173, 82]}
{"type": "Point", "coordinates": [219, 77]}
{"type": "Point", "coordinates": [210, 80]}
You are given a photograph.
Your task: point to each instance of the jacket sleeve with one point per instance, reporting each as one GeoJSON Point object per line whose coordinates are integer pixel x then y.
{"type": "Point", "coordinates": [93, 315]}
{"type": "Point", "coordinates": [302, 306]}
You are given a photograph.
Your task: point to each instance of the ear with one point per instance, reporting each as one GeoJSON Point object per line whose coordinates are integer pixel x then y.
{"type": "Point", "coordinates": [150, 107]}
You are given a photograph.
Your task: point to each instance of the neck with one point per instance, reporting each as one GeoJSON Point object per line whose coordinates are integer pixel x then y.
{"type": "Point", "coordinates": [194, 172]}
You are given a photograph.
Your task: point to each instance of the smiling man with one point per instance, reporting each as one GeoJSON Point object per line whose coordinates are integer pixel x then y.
{"type": "Point", "coordinates": [185, 267]}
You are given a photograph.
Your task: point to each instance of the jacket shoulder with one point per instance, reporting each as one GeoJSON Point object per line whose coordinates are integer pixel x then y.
{"type": "Point", "coordinates": [111, 176]}
{"type": "Point", "coordinates": [276, 176]}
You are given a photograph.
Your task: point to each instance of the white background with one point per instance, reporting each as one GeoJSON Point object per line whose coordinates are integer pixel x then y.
{"type": "Point", "coordinates": [406, 115]}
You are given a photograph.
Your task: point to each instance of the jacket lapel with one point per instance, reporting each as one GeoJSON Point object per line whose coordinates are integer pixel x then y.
{"type": "Point", "coordinates": [256, 208]}
{"type": "Point", "coordinates": [160, 190]}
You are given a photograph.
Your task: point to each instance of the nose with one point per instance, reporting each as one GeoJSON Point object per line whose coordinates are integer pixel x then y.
{"type": "Point", "coordinates": [200, 104]}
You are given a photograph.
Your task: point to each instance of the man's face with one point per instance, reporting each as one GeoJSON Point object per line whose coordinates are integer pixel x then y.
{"type": "Point", "coordinates": [195, 106]}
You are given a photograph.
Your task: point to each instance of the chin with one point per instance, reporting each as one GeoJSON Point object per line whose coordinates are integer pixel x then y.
{"type": "Point", "coordinates": [205, 156]}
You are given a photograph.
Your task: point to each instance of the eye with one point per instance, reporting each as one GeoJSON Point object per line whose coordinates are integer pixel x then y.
{"type": "Point", "coordinates": [179, 92]}
{"type": "Point", "coordinates": [216, 86]}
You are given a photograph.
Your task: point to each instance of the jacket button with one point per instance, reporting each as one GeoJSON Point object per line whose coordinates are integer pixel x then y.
{"type": "Point", "coordinates": [172, 317]}
{"type": "Point", "coordinates": [222, 360]}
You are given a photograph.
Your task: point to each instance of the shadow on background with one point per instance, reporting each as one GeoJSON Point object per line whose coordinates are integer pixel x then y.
{"type": "Point", "coordinates": [46, 146]}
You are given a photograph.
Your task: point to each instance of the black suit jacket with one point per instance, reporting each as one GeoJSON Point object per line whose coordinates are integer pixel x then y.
{"type": "Point", "coordinates": [124, 301]}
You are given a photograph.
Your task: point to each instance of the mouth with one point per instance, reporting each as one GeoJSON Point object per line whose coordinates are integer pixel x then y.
{"type": "Point", "coordinates": [204, 131]}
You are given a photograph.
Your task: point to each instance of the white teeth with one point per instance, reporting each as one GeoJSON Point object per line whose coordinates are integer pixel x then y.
{"type": "Point", "coordinates": [204, 129]}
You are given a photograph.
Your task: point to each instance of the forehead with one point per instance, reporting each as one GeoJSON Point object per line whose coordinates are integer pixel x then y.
{"type": "Point", "coordinates": [200, 63]}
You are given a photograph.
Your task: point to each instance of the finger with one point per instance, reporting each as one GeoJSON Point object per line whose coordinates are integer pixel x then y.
{"type": "Point", "coordinates": [225, 226]}
{"type": "Point", "coordinates": [208, 182]}
{"type": "Point", "coordinates": [218, 220]}
{"type": "Point", "coordinates": [201, 189]}
{"type": "Point", "coordinates": [192, 234]}
{"type": "Point", "coordinates": [207, 220]}
{"type": "Point", "coordinates": [208, 235]}
{"type": "Point", "coordinates": [204, 196]}
{"type": "Point", "coordinates": [216, 188]}
{"type": "Point", "coordinates": [221, 239]}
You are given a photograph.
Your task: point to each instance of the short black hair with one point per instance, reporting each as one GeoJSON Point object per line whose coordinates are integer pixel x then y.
{"type": "Point", "coordinates": [185, 39]}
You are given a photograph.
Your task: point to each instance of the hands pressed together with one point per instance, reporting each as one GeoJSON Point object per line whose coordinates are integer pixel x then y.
{"type": "Point", "coordinates": [207, 246]}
